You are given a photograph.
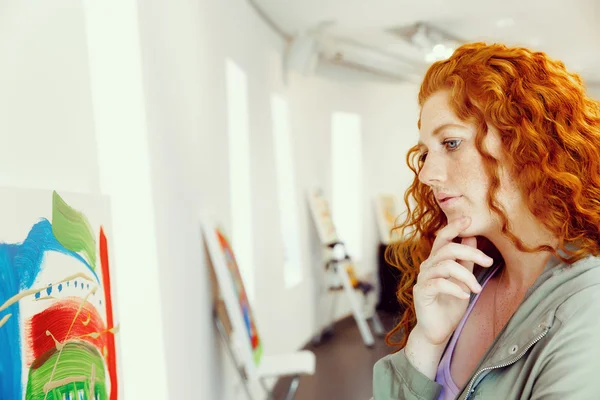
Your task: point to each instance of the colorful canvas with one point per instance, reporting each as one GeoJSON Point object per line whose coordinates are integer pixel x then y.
{"type": "Point", "coordinates": [57, 322]}
{"type": "Point", "coordinates": [242, 299]}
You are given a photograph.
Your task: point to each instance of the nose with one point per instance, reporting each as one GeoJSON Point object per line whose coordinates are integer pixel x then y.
{"type": "Point", "coordinates": [433, 171]}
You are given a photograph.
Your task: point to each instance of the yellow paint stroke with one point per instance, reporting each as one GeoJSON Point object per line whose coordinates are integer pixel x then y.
{"type": "Point", "coordinates": [92, 381]}
{"type": "Point", "coordinates": [29, 292]}
{"type": "Point", "coordinates": [87, 321]}
{"type": "Point", "coordinates": [72, 379]}
{"type": "Point", "coordinates": [57, 344]}
{"type": "Point", "coordinates": [4, 319]}
{"type": "Point", "coordinates": [93, 290]}
{"type": "Point", "coordinates": [115, 329]}
{"type": "Point", "coordinates": [95, 335]}
{"type": "Point", "coordinates": [46, 298]}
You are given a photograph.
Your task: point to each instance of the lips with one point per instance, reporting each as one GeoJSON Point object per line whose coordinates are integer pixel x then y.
{"type": "Point", "coordinates": [444, 198]}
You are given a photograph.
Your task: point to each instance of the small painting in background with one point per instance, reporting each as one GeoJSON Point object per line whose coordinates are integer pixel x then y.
{"type": "Point", "coordinates": [319, 207]}
{"type": "Point", "coordinates": [242, 298]}
{"type": "Point", "coordinates": [386, 210]}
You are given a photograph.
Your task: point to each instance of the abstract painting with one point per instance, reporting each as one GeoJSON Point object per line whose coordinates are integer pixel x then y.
{"type": "Point", "coordinates": [241, 297]}
{"type": "Point", "coordinates": [57, 322]}
{"type": "Point", "coordinates": [223, 267]}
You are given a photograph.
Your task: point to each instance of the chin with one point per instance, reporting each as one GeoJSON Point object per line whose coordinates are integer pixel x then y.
{"type": "Point", "coordinates": [473, 230]}
{"type": "Point", "coordinates": [469, 233]}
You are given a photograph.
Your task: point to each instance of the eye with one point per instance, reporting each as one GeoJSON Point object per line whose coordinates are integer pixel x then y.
{"type": "Point", "coordinates": [452, 144]}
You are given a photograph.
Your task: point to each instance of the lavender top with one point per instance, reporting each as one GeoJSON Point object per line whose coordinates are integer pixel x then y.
{"type": "Point", "coordinates": [449, 389]}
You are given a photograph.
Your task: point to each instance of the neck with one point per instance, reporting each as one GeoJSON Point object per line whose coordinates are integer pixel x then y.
{"type": "Point", "coordinates": [523, 268]}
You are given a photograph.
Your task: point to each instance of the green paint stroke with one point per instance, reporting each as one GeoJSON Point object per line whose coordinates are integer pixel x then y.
{"type": "Point", "coordinates": [76, 360]}
{"type": "Point", "coordinates": [258, 352]}
{"type": "Point", "coordinates": [72, 229]}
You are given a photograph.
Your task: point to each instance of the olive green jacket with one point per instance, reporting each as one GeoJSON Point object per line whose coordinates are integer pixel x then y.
{"type": "Point", "coordinates": [549, 349]}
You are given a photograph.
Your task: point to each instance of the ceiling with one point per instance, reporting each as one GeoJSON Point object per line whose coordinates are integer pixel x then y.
{"type": "Point", "coordinates": [568, 30]}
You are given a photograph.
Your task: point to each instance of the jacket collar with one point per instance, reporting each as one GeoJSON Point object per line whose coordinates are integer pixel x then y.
{"type": "Point", "coordinates": [535, 313]}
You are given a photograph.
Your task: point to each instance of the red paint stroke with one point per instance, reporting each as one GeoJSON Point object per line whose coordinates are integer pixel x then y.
{"type": "Point", "coordinates": [58, 320]}
{"type": "Point", "coordinates": [111, 357]}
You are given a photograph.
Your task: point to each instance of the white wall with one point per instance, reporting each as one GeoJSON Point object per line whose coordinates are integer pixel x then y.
{"type": "Point", "coordinates": [173, 49]}
{"type": "Point", "coordinates": [46, 119]}
{"type": "Point", "coordinates": [185, 45]}
{"type": "Point", "coordinates": [594, 90]}
{"type": "Point", "coordinates": [122, 145]}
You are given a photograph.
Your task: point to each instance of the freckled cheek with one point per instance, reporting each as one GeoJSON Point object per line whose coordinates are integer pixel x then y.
{"type": "Point", "coordinates": [472, 182]}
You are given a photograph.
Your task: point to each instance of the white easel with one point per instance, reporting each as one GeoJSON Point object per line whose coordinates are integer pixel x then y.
{"type": "Point", "coordinates": [250, 363]}
{"type": "Point", "coordinates": [338, 267]}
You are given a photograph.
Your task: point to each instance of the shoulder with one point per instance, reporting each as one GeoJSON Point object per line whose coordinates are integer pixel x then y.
{"type": "Point", "coordinates": [580, 292]}
{"type": "Point", "coordinates": [580, 305]}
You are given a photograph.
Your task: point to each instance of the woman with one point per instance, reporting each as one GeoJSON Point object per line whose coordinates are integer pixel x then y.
{"type": "Point", "coordinates": [500, 270]}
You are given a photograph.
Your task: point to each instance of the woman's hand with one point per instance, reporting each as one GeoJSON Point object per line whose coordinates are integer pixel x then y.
{"type": "Point", "coordinates": [445, 282]}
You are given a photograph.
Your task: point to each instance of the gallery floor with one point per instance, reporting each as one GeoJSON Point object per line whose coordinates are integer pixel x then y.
{"type": "Point", "coordinates": [344, 365]}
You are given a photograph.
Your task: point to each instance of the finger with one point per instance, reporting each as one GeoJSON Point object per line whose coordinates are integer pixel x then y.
{"type": "Point", "coordinates": [460, 253]}
{"type": "Point", "coordinates": [450, 269]}
{"type": "Point", "coordinates": [435, 287]}
{"type": "Point", "coordinates": [449, 232]}
{"type": "Point", "coordinates": [472, 243]}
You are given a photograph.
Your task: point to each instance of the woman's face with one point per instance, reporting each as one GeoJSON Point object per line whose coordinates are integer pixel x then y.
{"type": "Point", "coordinates": [454, 169]}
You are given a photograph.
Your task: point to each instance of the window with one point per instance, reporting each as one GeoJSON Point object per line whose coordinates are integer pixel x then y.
{"type": "Point", "coordinates": [346, 176]}
{"type": "Point", "coordinates": [239, 172]}
{"type": "Point", "coordinates": [286, 189]}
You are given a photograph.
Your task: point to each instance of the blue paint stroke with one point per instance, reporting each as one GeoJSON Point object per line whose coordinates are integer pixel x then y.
{"type": "Point", "coordinates": [20, 264]}
{"type": "Point", "coordinates": [31, 252]}
{"type": "Point", "coordinates": [10, 356]}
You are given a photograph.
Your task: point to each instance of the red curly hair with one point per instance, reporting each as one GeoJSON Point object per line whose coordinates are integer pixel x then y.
{"type": "Point", "coordinates": [550, 134]}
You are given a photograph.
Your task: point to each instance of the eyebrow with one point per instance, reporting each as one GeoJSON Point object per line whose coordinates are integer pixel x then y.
{"type": "Point", "coordinates": [439, 129]}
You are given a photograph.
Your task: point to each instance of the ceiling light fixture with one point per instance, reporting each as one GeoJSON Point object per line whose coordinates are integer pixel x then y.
{"type": "Point", "coordinates": [439, 52]}
{"type": "Point", "coordinates": [435, 44]}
